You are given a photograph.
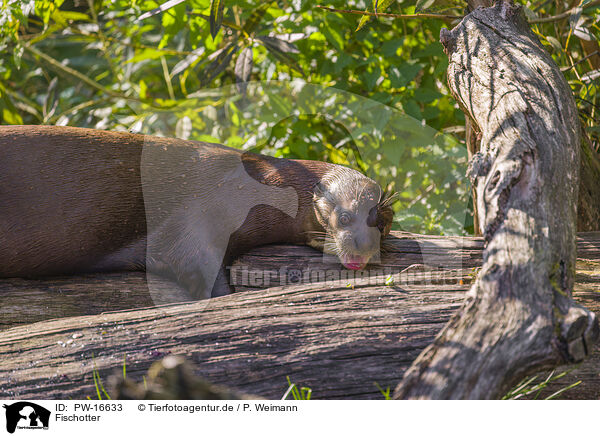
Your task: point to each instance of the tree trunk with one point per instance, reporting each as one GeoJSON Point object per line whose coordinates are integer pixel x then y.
{"type": "Point", "coordinates": [588, 203]}
{"type": "Point", "coordinates": [337, 339]}
{"type": "Point", "coordinates": [519, 316]}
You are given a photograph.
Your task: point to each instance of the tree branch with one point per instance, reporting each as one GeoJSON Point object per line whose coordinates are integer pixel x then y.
{"type": "Point", "coordinates": [382, 14]}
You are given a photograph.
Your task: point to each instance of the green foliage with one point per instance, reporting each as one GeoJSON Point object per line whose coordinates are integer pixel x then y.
{"type": "Point", "coordinates": [529, 389]}
{"type": "Point", "coordinates": [98, 385]}
{"type": "Point", "coordinates": [183, 68]}
{"type": "Point", "coordinates": [385, 392]}
{"type": "Point", "coordinates": [302, 393]}
{"type": "Point", "coordinates": [216, 16]}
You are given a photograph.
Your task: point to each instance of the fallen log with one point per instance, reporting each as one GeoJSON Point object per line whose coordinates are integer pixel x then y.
{"type": "Point", "coordinates": [336, 339]}
{"type": "Point", "coordinates": [28, 301]}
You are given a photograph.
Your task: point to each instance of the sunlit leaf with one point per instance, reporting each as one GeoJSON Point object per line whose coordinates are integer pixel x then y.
{"type": "Point", "coordinates": [382, 5]}
{"type": "Point", "coordinates": [216, 16]}
{"type": "Point", "coordinates": [187, 61]}
{"type": "Point", "coordinates": [255, 17]}
{"type": "Point", "coordinates": [173, 22]}
{"type": "Point", "coordinates": [590, 76]}
{"type": "Point", "coordinates": [243, 68]}
{"type": "Point", "coordinates": [422, 5]}
{"type": "Point", "coordinates": [584, 33]}
{"type": "Point", "coordinates": [333, 36]}
{"type": "Point", "coordinates": [218, 65]}
{"type": "Point", "coordinates": [282, 55]}
{"type": "Point", "coordinates": [556, 45]}
{"type": "Point", "coordinates": [279, 44]}
{"type": "Point", "coordinates": [183, 128]}
{"type": "Point", "coordinates": [160, 9]}
{"type": "Point", "coordinates": [147, 53]}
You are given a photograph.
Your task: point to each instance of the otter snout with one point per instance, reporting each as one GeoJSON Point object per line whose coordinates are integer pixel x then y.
{"type": "Point", "coordinates": [358, 246]}
{"type": "Point", "coordinates": [366, 240]}
{"type": "Point", "coordinates": [355, 214]}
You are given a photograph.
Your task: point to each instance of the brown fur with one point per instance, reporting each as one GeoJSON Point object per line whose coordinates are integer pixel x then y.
{"type": "Point", "coordinates": [72, 202]}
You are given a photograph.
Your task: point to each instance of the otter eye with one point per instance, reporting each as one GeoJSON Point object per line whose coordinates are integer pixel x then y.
{"type": "Point", "coordinates": [344, 219]}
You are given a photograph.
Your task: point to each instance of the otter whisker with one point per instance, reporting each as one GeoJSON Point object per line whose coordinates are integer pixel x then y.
{"type": "Point", "coordinates": [389, 199]}
{"type": "Point", "coordinates": [315, 232]}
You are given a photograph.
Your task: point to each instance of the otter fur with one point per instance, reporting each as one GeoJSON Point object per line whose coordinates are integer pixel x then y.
{"type": "Point", "coordinates": [77, 200]}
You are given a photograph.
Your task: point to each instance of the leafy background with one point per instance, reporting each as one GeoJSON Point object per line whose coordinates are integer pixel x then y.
{"type": "Point", "coordinates": [183, 71]}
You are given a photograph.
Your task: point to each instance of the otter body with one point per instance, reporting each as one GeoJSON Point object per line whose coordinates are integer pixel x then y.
{"type": "Point", "coordinates": [80, 200]}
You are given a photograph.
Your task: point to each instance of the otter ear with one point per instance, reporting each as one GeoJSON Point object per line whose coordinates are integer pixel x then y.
{"type": "Point", "coordinates": [320, 192]}
{"type": "Point", "coordinates": [385, 218]}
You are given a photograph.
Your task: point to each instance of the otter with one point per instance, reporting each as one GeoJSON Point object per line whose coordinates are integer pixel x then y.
{"type": "Point", "coordinates": [76, 200]}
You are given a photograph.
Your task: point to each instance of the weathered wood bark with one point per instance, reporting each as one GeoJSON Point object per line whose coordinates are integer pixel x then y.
{"type": "Point", "coordinates": [588, 203]}
{"type": "Point", "coordinates": [339, 341]}
{"type": "Point", "coordinates": [473, 139]}
{"type": "Point", "coordinates": [519, 316]}
{"type": "Point", "coordinates": [335, 339]}
{"type": "Point", "coordinates": [28, 301]}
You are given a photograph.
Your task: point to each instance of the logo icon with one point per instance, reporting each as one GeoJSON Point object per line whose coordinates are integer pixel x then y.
{"type": "Point", "coordinates": [26, 415]}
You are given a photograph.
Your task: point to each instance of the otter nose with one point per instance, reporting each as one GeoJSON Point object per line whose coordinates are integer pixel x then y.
{"type": "Point", "coordinates": [366, 243]}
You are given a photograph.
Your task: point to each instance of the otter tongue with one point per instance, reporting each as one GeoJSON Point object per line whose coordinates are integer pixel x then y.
{"type": "Point", "coordinates": [354, 262]}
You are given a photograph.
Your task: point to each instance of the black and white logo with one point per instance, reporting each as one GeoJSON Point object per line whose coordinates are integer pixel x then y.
{"type": "Point", "coordinates": [26, 415]}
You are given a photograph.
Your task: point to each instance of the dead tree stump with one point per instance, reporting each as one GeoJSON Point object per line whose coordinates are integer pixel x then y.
{"type": "Point", "coordinates": [519, 316]}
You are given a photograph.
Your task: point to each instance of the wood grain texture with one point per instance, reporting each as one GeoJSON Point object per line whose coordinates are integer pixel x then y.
{"type": "Point", "coordinates": [338, 340]}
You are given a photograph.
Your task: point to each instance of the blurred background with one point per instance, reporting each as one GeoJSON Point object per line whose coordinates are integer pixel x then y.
{"type": "Point", "coordinates": [284, 78]}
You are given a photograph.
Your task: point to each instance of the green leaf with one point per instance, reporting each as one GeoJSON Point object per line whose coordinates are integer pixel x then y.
{"type": "Point", "coordinates": [279, 44]}
{"type": "Point", "coordinates": [426, 95]}
{"type": "Point", "coordinates": [281, 54]}
{"type": "Point", "coordinates": [218, 65]}
{"type": "Point", "coordinates": [216, 16]}
{"type": "Point", "coordinates": [62, 17]}
{"type": "Point", "coordinates": [243, 68]}
{"type": "Point", "coordinates": [10, 117]}
{"type": "Point", "coordinates": [379, 5]}
{"type": "Point", "coordinates": [188, 61]}
{"type": "Point", "coordinates": [173, 22]}
{"type": "Point", "coordinates": [422, 5]}
{"type": "Point", "coordinates": [402, 75]}
{"type": "Point", "coordinates": [255, 18]}
{"type": "Point", "coordinates": [333, 36]}
{"type": "Point", "coordinates": [412, 108]}
{"type": "Point", "coordinates": [370, 77]}
{"type": "Point", "coordinates": [432, 49]}
{"type": "Point", "coordinates": [584, 33]}
{"type": "Point", "coordinates": [18, 54]}
{"type": "Point", "coordinates": [223, 23]}
{"type": "Point", "coordinates": [147, 53]}
{"type": "Point", "coordinates": [390, 48]}
{"type": "Point", "coordinates": [160, 9]}
{"type": "Point", "coordinates": [45, 9]}
{"type": "Point", "coordinates": [183, 128]}
{"type": "Point", "coordinates": [556, 45]}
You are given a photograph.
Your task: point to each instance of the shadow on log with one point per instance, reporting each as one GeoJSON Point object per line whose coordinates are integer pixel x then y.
{"type": "Point", "coordinates": [336, 339]}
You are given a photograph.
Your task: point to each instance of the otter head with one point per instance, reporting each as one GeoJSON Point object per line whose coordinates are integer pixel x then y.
{"type": "Point", "coordinates": [355, 215]}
